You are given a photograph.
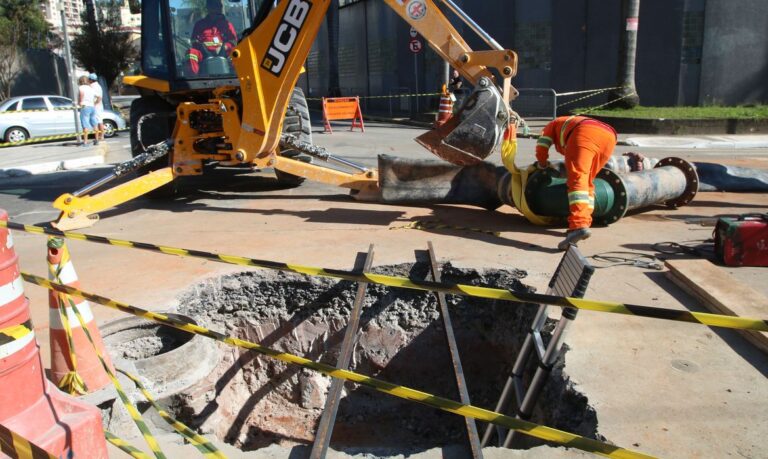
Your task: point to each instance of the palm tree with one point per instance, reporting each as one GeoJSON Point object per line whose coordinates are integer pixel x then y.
{"type": "Point", "coordinates": [627, 96]}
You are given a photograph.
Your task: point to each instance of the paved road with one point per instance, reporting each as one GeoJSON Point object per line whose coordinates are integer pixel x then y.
{"type": "Point", "coordinates": [28, 198]}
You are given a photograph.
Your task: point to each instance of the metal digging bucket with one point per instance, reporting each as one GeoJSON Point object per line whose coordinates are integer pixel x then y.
{"type": "Point", "coordinates": [473, 133]}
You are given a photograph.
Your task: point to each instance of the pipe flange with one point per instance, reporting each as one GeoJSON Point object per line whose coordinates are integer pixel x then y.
{"type": "Point", "coordinates": [620, 198]}
{"type": "Point", "coordinates": [691, 180]}
{"type": "Point", "coordinates": [503, 189]}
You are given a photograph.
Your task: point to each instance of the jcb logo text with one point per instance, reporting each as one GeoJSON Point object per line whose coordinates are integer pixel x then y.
{"type": "Point", "coordinates": [285, 36]}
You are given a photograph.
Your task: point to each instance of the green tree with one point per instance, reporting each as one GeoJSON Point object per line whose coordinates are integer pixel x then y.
{"type": "Point", "coordinates": [21, 23]}
{"type": "Point", "coordinates": [103, 47]}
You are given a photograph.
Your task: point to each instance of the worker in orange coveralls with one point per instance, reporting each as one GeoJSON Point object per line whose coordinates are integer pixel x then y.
{"type": "Point", "coordinates": [212, 35]}
{"type": "Point", "coordinates": [587, 145]}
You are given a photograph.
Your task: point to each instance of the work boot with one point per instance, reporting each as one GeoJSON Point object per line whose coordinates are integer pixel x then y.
{"type": "Point", "coordinates": [572, 237]}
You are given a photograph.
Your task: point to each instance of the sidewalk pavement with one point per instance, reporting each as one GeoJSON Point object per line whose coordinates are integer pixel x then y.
{"type": "Point", "coordinates": [49, 157]}
{"type": "Point", "coordinates": [720, 142]}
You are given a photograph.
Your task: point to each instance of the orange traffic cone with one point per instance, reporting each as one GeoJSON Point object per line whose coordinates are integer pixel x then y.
{"type": "Point", "coordinates": [75, 366]}
{"type": "Point", "coordinates": [30, 405]}
{"type": "Point", "coordinates": [445, 111]}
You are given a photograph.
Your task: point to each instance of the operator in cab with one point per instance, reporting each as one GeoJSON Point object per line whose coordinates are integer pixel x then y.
{"type": "Point", "coordinates": [587, 145]}
{"type": "Point", "coordinates": [212, 37]}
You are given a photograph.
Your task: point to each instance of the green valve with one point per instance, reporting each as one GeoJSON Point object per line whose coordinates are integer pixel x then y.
{"type": "Point", "coordinates": [547, 195]}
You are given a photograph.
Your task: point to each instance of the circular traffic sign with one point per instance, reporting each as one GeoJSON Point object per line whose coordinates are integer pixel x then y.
{"type": "Point", "coordinates": [415, 45]}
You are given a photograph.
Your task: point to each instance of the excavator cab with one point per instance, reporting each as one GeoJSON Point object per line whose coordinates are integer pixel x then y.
{"type": "Point", "coordinates": [186, 43]}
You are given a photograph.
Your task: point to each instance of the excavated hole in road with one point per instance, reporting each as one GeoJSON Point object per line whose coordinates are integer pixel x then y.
{"type": "Point", "coordinates": [253, 401]}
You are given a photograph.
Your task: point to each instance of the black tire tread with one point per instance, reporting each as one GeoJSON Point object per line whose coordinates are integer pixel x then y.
{"type": "Point", "coordinates": [298, 123]}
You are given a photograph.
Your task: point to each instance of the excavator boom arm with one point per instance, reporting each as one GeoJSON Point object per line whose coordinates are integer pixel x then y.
{"type": "Point", "coordinates": [268, 62]}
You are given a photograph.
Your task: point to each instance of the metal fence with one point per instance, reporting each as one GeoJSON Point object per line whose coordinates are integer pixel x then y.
{"type": "Point", "coordinates": [536, 103]}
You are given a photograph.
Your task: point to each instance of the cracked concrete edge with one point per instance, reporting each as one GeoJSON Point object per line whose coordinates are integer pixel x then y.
{"type": "Point", "coordinates": [93, 159]}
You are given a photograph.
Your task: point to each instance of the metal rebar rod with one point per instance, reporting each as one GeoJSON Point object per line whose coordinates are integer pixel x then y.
{"type": "Point", "coordinates": [325, 427]}
{"type": "Point", "coordinates": [473, 25]}
{"type": "Point", "coordinates": [461, 383]}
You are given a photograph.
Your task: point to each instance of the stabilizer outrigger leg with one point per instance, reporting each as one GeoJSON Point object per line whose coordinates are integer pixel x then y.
{"type": "Point", "coordinates": [80, 210]}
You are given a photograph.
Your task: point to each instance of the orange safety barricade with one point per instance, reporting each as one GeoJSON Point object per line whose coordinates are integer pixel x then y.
{"type": "Point", "coordinates": [342, 108]}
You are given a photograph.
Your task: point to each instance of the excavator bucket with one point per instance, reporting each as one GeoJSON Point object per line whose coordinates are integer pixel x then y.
{"type": "Point", "coordinates": [471, 135]}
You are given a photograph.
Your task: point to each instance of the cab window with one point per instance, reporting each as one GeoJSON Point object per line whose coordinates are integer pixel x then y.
{"type": "Point", "coordinates": [34, 103]}
{"type": "Point", "coordinates": [154, 62]}
{"type": "Point", "coordinates": [13, 107]}
{"type": "Point", "coordinates": [202, 39]}
{"type": "Point", "coordinates": [60, 102]}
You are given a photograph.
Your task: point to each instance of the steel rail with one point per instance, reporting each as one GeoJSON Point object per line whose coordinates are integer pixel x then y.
{"type": "Point", "coordinates": [327, 420]}
{"type": "Point", "coordinates": [458, 369]}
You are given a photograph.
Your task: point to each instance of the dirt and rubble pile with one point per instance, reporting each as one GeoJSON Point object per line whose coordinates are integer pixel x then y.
{"type": "Point", "coordinates": [253, 401]}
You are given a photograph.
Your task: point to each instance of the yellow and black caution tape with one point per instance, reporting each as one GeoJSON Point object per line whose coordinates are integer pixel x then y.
{"type": "Point", "coordinates": [15, 332]}
{"type": "Point", "coordinates": [130, 407]}
{"type": "Point", "coordinates": [202, 444]}
{"type": "Point", "coordinates": [535, 430]}
{"type": "Point", "coordinates": [125, 446]}
{"type": "Point", "coordinates": [591, 109]}
{"type": "Point", "coordinates": [714, 320]}
{"type": "Point", "coordinates": [590, 93]}
{"type": "Point", "coordinates": [16, 446]}
{"type": "Point", "coordinates": [38, 110]}
{"type": "Point", "coordinates": [46, 139]}
{"type": "Point", "coordinates": [71, 383]}
{"type": "Point", "coordinates": [389, 96]}
{"type": "Point", "coordinates": [436, 224]}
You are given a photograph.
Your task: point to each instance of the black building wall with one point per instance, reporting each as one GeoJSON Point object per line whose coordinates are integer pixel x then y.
{"type": "Point", "coordinates": [734, 64]}
{"type": "Point", "coordinates": [689, 52]}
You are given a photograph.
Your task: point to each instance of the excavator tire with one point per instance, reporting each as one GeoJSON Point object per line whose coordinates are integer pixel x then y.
{"type": "Point", "coordinates": [152, 120]}
{"type": "Point", "coordinates": [296, 122]}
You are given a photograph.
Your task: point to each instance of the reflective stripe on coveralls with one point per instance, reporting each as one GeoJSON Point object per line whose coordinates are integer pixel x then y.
{"type": "Point", "coordinates": [587, 145]}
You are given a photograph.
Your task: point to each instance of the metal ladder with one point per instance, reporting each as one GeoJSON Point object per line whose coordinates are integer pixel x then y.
{"type": "Point", "coordinates": [570, 279]}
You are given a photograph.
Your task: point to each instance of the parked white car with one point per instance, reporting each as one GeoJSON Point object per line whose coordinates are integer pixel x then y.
{"type": "Point", "coordinates": [54, 116]}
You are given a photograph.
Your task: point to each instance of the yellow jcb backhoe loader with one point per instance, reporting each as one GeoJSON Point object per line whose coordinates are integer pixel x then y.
{"type": "Point", "coordinates": [244, 109]}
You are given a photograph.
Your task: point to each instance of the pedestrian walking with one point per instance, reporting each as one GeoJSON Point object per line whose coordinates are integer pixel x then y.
{"type": "Point", "coordinates": [587, 145]}
{"type": "Point", "coordinates": [98, 106]}
{"type": "Point", "coordinates": [86, 100]}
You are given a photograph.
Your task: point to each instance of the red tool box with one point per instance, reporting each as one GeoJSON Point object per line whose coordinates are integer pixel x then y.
{"type": "Point", "coordinates": [743, 240]}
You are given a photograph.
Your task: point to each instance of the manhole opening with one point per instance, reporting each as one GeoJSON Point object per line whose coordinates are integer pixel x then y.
{"type": "Point", "coordinates": [143, 340]}
{"type": "Point", "coordinates": [253, 401]}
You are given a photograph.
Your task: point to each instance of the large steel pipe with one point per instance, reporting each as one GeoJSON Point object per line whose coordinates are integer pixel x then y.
{"type": "Point", "coordinates": [672, 182]}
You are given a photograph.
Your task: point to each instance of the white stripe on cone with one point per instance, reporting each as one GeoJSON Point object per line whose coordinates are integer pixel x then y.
{"type": "Point", "coordinates": [11, 292]}
{"type": "Point", "coordinates": [9, 241]}
{"type": "Point", "coordinates": [85, 312]}
{"type": "Point", "coordinates": [15, 346]}
{"type": "Point", "coordinates": [67, 276]}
